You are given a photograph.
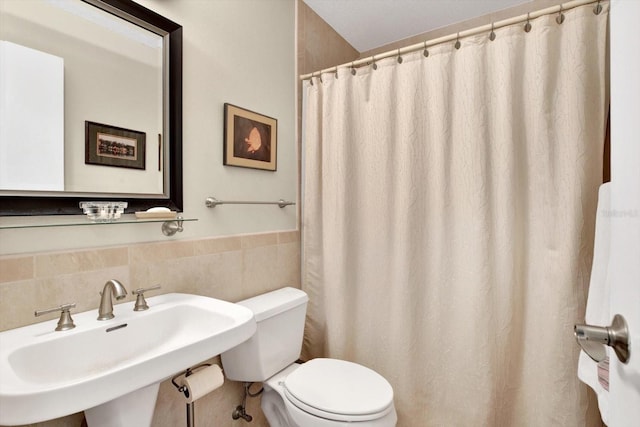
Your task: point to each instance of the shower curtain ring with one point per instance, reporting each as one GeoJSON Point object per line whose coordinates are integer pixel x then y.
{"type": "Point", "coordinates": [426, 51]}
{"type": "Point", "coordinates": [527, 26]}
{"type": "Point", "coordinates": [598, 8]}
{"type": "Point", "coordinates": [560, 17]}
{"type": "Point", "coordinates": [353, 70]}
{"type": "Point", "coordinates": [492, 34]}
{"type": "Point", "coordinates": [374, 65]}
{"type": "Point", "coordinates": [336, 72]}
{"type": "Point", "coordinates": [311, 79]}
{"type": "Point", "coordinates": [458, 44]}
{"type": "Point", "coordinates": [399, 57]}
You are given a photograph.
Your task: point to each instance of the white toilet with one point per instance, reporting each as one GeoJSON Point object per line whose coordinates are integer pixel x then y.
{"type": "Point", "coordinates": [318, 393]}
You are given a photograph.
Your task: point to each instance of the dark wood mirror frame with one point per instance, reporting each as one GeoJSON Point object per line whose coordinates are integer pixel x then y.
{"type": "Point", "coordinates": [64, 205]}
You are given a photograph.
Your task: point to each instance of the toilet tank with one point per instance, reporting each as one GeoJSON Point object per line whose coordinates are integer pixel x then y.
{"type": "Point", "coordinates": [280, 317]}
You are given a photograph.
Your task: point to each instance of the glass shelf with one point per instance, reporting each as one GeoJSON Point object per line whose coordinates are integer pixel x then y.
{"type": "Point", "coordinates": [27, 222]}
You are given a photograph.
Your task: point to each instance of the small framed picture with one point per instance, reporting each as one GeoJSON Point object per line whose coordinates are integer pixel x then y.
{"type": "Point", "coordinates": [113, 146]}
{"type": "Point", "coordinates": [250, 139]}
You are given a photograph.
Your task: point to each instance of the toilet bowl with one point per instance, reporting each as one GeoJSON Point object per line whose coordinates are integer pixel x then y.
{"type": "Point", "coordinates": [335, 393]}
{"type": "Point", "coordinates": [319, 393]}
{"type": "Point", "coordinates": [317, 406]}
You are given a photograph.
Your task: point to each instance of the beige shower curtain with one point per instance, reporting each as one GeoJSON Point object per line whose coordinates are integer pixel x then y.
{"type": "Point", "coordinates": [449, 208]}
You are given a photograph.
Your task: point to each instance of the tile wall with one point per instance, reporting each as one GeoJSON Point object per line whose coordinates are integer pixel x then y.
{"type": "Point", "coordinates": [229, 268]}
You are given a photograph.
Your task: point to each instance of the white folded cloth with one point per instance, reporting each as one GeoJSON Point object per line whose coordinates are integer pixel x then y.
{"type": "Point", "coordinates": [597, 312]}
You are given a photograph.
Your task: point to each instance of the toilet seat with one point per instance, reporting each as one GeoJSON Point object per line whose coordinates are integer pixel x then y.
{"type": "Point", "coordinates": [339, 390]}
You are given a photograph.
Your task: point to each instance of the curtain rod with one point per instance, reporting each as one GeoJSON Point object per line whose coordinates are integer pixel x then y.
{"type": "Point", "coordinates": [489, 27]}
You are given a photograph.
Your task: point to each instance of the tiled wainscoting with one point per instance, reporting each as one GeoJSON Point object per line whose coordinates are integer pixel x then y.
{"type": "Point", "coordinates": [228, 268]}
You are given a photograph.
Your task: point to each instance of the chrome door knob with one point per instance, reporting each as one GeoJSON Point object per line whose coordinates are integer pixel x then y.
{"type": "Point", "coordinates": [592, 339]}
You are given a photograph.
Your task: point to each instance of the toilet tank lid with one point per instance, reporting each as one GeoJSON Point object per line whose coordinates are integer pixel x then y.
{"type": "Point", "coordinates": [275, 302]}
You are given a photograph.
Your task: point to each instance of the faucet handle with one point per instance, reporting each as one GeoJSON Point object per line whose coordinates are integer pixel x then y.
{"type": "Point", "coordinates": [141, 303]}
{"type": "Point", "coordinates": [65, 322]}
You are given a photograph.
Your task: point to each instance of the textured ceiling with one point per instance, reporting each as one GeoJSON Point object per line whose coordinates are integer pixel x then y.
{"type": "Point", "coordinates": [368, 24]}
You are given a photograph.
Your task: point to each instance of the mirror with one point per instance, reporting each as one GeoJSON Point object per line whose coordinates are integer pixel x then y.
{"type": "Point", "coordinates": [122, 119]}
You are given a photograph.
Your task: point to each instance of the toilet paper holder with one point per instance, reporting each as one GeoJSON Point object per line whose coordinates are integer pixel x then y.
{"type": "Point", "coordinates": [184, 390]}
{"type": "Point", "coordinates": [592, 339]}
{"type": "Point", "coordinates": [186, 373]}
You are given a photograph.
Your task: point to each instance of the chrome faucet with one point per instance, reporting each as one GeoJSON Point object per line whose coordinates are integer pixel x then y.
{"type": "Point", "coordinates": [105, 312]}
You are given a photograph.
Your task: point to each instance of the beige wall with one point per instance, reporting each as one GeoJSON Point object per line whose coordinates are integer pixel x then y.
{"type": "Point", "coordinates": [318, 47]}
{"type": "Point", "coordinates": [240, 52]}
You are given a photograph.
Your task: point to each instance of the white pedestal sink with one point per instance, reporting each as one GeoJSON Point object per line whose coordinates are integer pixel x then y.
{"type": "Point", "coordinates": [133, 409]}
{"type": "Point", "coordinates": [107, 365]}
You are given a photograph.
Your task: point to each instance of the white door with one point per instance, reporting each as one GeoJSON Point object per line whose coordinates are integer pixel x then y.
{"type": "Point", "coordinates": [624, 264]}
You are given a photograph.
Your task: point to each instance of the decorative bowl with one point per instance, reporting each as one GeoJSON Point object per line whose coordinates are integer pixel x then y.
{"type": "Point", "coordinates": [103, 211]}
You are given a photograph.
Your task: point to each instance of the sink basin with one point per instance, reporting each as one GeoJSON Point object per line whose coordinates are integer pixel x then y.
{"type": "Point", "coordinates": [46, 374]}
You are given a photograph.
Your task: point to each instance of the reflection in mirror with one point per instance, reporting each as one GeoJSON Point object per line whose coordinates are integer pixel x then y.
{"type": "Point", "coordinates": [122, 69]}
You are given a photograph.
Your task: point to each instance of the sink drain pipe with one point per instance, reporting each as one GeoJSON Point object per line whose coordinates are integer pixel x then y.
{"type": "Point", "coordinates": [196, 382]}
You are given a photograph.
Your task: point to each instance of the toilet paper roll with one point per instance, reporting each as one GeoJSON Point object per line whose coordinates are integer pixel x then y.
{"type": "Point", "coordinates": [202, 382]}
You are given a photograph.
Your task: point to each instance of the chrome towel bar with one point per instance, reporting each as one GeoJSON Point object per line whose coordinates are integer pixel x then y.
{"type": "Point", "coordinates": [212, 202]}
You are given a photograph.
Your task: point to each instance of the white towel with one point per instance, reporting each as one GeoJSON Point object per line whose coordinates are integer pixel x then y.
{"type": "Point", "coordinates": [597, 312]}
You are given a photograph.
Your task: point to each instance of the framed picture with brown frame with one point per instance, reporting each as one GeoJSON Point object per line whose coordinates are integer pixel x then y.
{"type": "Point", "coordinates": [250, 139]}
{"type": "Point", "coordinates": [114, 146]}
